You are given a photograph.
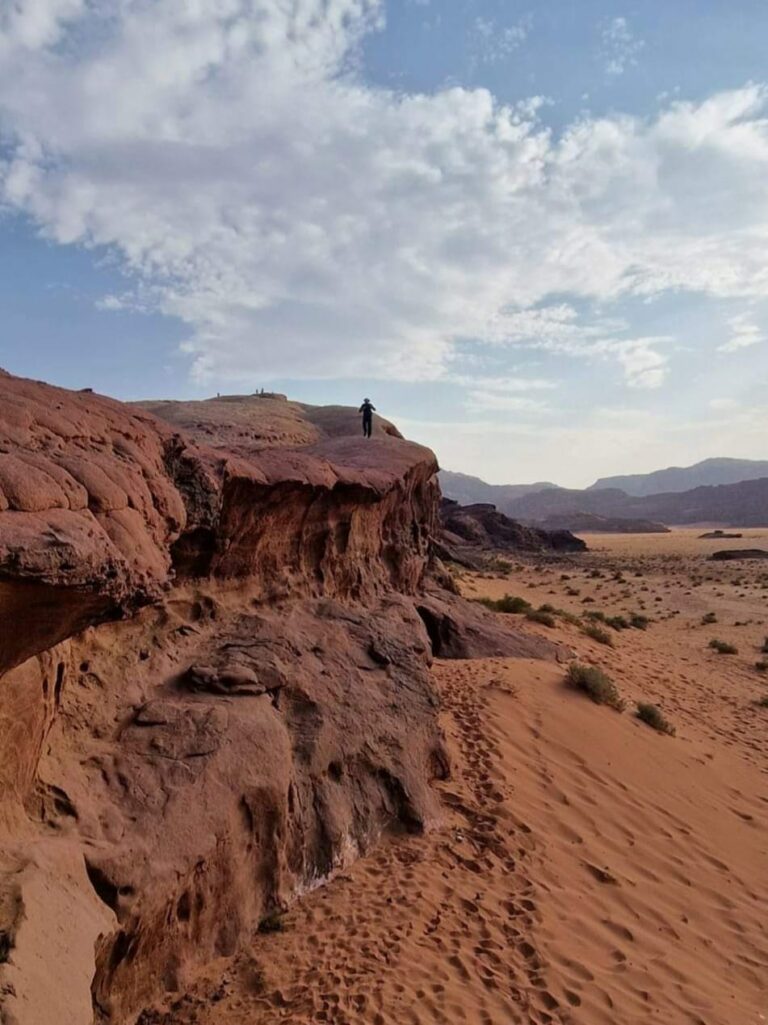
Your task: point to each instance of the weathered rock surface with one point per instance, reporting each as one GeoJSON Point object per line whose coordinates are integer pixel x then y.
{"type": "Point", "coordinates": [736, 554]}
{"type": "Point", "coordinates": [214, 684]}
{"type": "Point", "coordinates": [590, 523]}
{"type": "Point", "coordinates": [482, 526]}
{"type": "Point", "coordinates": [459, 629]}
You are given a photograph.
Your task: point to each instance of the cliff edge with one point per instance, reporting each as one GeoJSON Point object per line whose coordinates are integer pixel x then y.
{"type": "Point", "coordinates": [214, 678]}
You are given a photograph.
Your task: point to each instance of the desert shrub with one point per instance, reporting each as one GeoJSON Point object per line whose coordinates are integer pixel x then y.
{"type": "Point", "coordinates": [597, 634]}
{"type": "Point", "coordinates": [572, 592]}
{"type": "Point", "coordinates": [568, 617]}
{"type": "Point", "coordinates": [596, 684]}
{"type": "Point", "coordinates": [762, 702]}
{"type": "Point", "coordinates": [498, 565]}
{"type": "Point", "coordinates": [272, 923]}
{"type": "Point", "coordinates": [709, 617]}
{"type": "Point", "coordinates": [638, 621]}
{"type": "Point", "coordinates": [587, 601]}
{"type": "Point", "coordinates": [723, 647]}
{"type": "Point", "coordinates": [595, 574]}
{"type": "Point", "coordinates": [596, 615]}
{"type": "Point", "coordinates": [653, 716]}
{"type": "Point", "coordinates": [764, 648]}
{"type": "Point", "coordinates": [761, 666]}
{"type": "Point", "coordinates": [510, 604]}
{"type": "Point", "coordinates": [617, 622]}
{"type": "Point", "coordinates": [540, 616]}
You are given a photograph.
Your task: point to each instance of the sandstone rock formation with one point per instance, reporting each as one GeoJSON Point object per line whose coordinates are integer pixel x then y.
{"type": "Point", "coordinates": [216, 632]}
{"type": "Point", "coordinates": [737, 554]}
{"type": "Point", "coordinates": [584, 523]}
{"type": "Point", "coordinates": [482, 526]}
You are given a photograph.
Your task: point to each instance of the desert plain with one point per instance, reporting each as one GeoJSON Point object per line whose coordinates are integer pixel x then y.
{"type": "Point", "coordinates": [588, 869]}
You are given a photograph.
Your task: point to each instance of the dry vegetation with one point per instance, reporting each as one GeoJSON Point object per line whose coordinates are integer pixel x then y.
{"type": "Point", "coordinates": [589, 871]}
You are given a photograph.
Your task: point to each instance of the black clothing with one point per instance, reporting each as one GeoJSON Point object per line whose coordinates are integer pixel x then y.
{"type": "Point", "coordinates": [367, 409]}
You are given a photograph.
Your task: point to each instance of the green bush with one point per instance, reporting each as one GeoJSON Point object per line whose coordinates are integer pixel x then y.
{"type": "Point", "coordinates": [723, 647]}
{"type": "Point", "coordinates": [617, 622]}
{"type": "Point", "coordinates": [509, 604]}
{"type": "Point", "coordinates": [653, 716]}
{"type": "Point", "coordinates": [638, 621]}
{"type": "Point", "coordinates": [596, 684]}
{"type": "Point", "coordinates": [540, 616]}
{"type": "Point", "coordinates": [597, 634]}
{"type": "Point", "coordinates": [498, 565]}
{"type": "Point", "coordinates": [568, 617]}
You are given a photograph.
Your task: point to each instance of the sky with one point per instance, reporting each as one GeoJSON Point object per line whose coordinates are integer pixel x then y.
{"type": "Point", "coordinates": [536, 235]}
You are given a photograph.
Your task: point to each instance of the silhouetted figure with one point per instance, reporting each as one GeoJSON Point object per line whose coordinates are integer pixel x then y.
{"type": "Point", "coordinates": [367, 409]}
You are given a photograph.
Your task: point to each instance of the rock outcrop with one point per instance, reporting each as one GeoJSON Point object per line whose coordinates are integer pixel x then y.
{"type": "Point", "coordinates": [482, 526]}
{"type": "Point", "coordinates": [584, 523]}
{"type": "Point", "coordinates": [214, 685]}
{"type": "Point", "coordinates": [737, 554]}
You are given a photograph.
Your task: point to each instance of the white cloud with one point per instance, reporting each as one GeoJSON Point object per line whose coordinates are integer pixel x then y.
{"type": "Point", "coordinates": [558, 329]}
{"type": "Point", "coordinates": [620, 46]}
{"type": "Point", "coordinates": [724, 405]}
{"type": "Point", "coordinates": [495, 400]}
{"type": "Point", "coordinates": [744, 333]}
{"type": "Point", "coordinates": [516, 449]}
{"type": "Point", "coordinates": [504, 384]}
{"type": "Point", "coordinates": [305, 224]}
{"type": "Point", "coordinates": [492, 43]}
{"type": "Point", "coordinates": [644, 366]}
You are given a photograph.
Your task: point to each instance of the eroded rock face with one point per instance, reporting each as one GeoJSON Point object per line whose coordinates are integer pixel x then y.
{"type": "Point", "coordinates": [214, 682]}
{"type": "Point", "coordinates": [482, 526]}
{"type": "Point", "coordinates": [253, 752]}
{"type": "Point", "coordinates": [214, 687]}
{"type": "Point", "coordinates": [107, 505]}
{"type": "Point", "coordinates": [459, 629]}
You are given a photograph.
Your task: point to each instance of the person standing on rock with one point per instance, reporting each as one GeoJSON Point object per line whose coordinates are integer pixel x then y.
{"type": "Point", "coordinates": [367, 409]}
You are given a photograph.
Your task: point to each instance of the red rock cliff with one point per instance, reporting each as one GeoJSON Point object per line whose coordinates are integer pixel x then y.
{"type": "Point", "coordinates": [213, 680]}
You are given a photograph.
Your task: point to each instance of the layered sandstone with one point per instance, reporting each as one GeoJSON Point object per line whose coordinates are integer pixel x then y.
{"type": "Point", "coordinates": [214, 683]}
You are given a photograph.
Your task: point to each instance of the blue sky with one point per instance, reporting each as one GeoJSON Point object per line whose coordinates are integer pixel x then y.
{"type": "Point", "coordinates": [536, 235]}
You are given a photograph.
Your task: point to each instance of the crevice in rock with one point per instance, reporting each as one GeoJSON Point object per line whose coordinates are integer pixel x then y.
{"type": "Point", "coordinates": [106, 890]}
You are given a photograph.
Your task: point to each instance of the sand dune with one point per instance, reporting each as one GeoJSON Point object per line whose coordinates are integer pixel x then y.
{"type": "Point", "coordinates": [588, 871]}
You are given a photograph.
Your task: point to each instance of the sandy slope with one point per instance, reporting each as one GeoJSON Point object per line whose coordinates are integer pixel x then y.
{"type": "Point", "coordinates": [589, 870]}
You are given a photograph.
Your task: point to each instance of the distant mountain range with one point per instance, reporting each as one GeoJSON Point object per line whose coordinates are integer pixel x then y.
{"type": "Point", "coordinates": [742, 503]}
{"type": "Point", "coordinates": [470, 490]}
{"type": "Point", "coordinates": [684, 478]}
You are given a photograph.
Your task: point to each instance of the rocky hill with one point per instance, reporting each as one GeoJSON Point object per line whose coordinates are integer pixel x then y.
{"type": "Point", "coordinates": [217, 623]}
{"type": "Point", "coordinates": [743, 505]}
{"type": "Point", "coordinates": [483, 527]}
{"type": "Point", "coordinates": [731, 491]}
{"type": "Point", "coordinates": [468, 490]}
{"type": "Point", "coordinates": [709, 472]}
{"type": "Point", "coordinates": [583, 523]}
